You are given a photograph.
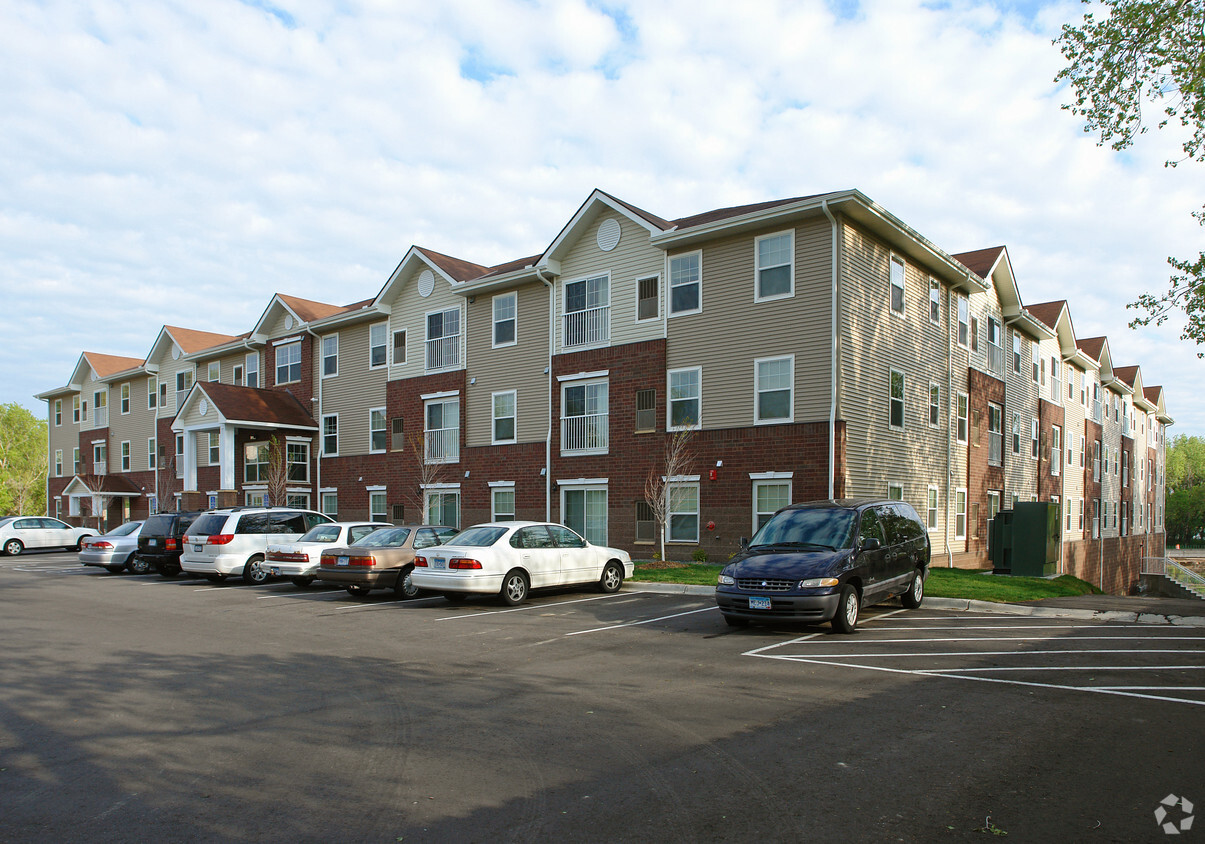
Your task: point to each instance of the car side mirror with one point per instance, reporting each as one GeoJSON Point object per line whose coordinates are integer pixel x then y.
{"type": "Point", "coordinates": [744, 543]}
{"type": "Point", "coordinates": [871, 543]}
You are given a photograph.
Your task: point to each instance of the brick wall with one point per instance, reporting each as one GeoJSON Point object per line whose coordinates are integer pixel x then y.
{"type": "Point", "coordinates": [1050, 415]}
{"type": "Point", "coordinates": [981, 477]}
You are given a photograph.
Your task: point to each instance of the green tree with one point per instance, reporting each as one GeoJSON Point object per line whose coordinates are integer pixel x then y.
{"type": "Point", "coordinates": [1185, 476]}
{"type": "Point", "coordinates": [1145, 52]}
{"type": "Point", "coordinates": [23, 461]}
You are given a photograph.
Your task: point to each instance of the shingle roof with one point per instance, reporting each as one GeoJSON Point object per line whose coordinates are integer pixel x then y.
{"type": "Point", "coordinates": [307, 309]}
{"type": "Point", "coordinates": [1092, 346]}
{"type": "Point", "coordinates": [1151, 394]}
{"type": "Point", "coordinates": [1047, 312]}
{"type": "Point", "coordinates": [980, 261]}
{"type": "Point", "coordinates": [454, 267]}
{"type": "Point", "coordinates": [106, 365]}
{"type": "Point", "coordinates": [246, 404]}
{"type": "Point", "coordinates": [190, 340]}
{"type": "Point", "coordinates": [1126, 373]}
{"type": "Point", "coordinates": [113, 484]}
{"type": "Point", "coordinates": [734, 211]}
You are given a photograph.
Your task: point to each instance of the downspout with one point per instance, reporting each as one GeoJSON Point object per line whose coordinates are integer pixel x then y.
{"type": "Point", "coordinates": [832, 380]}
{"type": "Point", "coordinates": [949, 439]}
{"type": "Point", "coordinates": [548, 435]}
{"type": "Point", "coordinates": [318, 373]}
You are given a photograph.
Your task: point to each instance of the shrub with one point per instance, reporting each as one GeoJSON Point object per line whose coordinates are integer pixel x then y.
{"type": "Point", "coordinates": [699, 555]}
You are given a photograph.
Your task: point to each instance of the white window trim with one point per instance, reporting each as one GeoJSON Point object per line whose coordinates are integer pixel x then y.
{"type": "Point", "coordinates": [683, 481]}
{"type": "Point", "coordinates": [305, 441]}
{"type": "Point", "coordinates": [58, 463]}
{"type": "Point", "coordinates": [249, 368]}
{"type": "Point", "coordinates": [577, 376]}
{"type": "Point", "coordinates": [903, 400]}
{"type": "Point", "coordinates": [385, 344]}
{"type": "Point", "coordinates": [277, 348]}
{"type": "Point", "coordinates": [581, 380]}
{"type": "Point", "coordinates": [774, 481]}
{"type": "Point", "coordinates": [967, 427]}
{"type": "Point", "coordinates": [771, 476]}
{"type": "Point", "coordinates": [444, 398]}
{"type": "Point", "coordinates": [125, 456]}
{"type": "Point", "coordinates": [384, 430]}
{"type": "Point", "coordinates": [698, 423]}
{"type": "Point", "coordinates": [893, 485]}
{"type": "Point", "coordinates": [503, 486]}
{"type": "Point", "coordinates": [757, 420]}
{"type": "Point", "coordinates": [933, 488]}
{"type": "Point", "coordinates": [125, 402]}
{"type": "Point", "coordinates": [322, 452]}
{"type": "Point", "coordinates": [152, 453]}
{"type": "Point", "coordinates": [494, 419]}
{"type": "Point", "coordinates": [929, 406]}
{"type": "Point", "coordinates": [152, 393]}
{"type": "Point", "coordinates": [210, 374]}
{"type": "Point", "coordinates": [669, 276]}
{"type": "Point", "coordinates": [636, 299]}
{"type": "Point", "coordinates": [393, 361]}
{"type": "Point", "coordinates": [323, 355]}
{"type": "Point", "coordinates": [958, 323]}
{"type": "Point", "coordinates": [757, 268]}
{"type": "Point", "coordinates": [494, 320]}
{"type": "Point", "coordinates": [963, 492]}
{"type": "Point", "coordinates": [902, 313]}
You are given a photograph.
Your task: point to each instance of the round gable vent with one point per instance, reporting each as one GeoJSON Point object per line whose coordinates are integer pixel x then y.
{"type": "Point", "coordinates": [608, 234]}
{"type": "Point", "coordinates": [288, 321]}
{"type": "Point", "coordinates": [175, 352]}
{"type": "Point", "coordinates": [426, 283]}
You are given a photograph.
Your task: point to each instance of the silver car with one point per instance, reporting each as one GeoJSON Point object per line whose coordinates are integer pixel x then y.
{"type": "Point", "coordinates": [114, 550]}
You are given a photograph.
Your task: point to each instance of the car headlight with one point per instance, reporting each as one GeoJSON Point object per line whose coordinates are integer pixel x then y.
{"type": "Point", "coordinates": [818, 582]}
{"type": "Point", "coordinates": [727, 580]}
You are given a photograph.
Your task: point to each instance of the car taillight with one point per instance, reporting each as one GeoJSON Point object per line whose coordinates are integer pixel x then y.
{"type": "Point", "coordinates": [170, 543]}
{"type": "Point", "coordinates": [420, 562]}
{"type": "Point", "coordinates": [220, 539]}
{"type": "Point", "coordinates": [98, 544]}
{"type": "Point", "coordinates": [463, 563]}
{"type": "Point", "coordinates": [361, 561]}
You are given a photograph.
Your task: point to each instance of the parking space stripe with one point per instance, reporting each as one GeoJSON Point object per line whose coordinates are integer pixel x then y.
{"type": "Point", "coordinates": [645, 621]}
{"type": "Point", "coordinates": [525, 608]}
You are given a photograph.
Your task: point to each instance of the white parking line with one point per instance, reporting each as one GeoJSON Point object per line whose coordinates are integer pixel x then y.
{"type": "Point", "coordinates": [526, 608]}
{"type": "Point", "coordinates": [645, 621]}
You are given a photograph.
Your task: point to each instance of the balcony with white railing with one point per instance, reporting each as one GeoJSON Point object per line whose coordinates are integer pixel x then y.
{"type": "Point", "coordinates": [588, 327]}
{"type": "Point", "coordinates": [995, 359]}
{"type": "Point", "coordinates": [442, 445]}
{"type": "Point", "coordinates": [443, 352]}
{"type": "Point", "coordinates": [100, 417]}
{"type": "Point", "coordinates": [995, 448]}
{"type": "Point", "coordinates": [584, 434]}
{"type": "Point", "coordinates": [1056, 389]}
{"type": "Point", "coordinates": [99, 466]}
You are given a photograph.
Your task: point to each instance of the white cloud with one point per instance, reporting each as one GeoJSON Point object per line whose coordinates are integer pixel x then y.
{"type": "Point", "coordinates": [180, 163]}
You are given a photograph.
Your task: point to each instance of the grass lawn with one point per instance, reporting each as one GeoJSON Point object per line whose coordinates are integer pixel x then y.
{"type": "Point", "coordinates": [942, 583]}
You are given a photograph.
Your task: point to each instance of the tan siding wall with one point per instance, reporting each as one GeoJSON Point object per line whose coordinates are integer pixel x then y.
{"type": "Point", "coordinates": [410, 314]}
{"type": "Point", "coordinates": [354, 391]}
{"type": "Point", "coordinates": [90, 387]}
{"type": "Point", "coordinates": [65, 437]}
{"type": "Point", "coordinates": [137, 426]}
{"type": "Point", "coordinates": [519, 367]}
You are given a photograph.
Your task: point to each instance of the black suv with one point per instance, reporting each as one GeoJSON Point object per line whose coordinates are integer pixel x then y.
{"type": "Point", "coordinates": [161, 542]}
{"type": "Point", "coordinates": [824, 560]}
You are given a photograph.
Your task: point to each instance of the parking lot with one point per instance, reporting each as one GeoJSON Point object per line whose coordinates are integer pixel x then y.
{"type": "Point", "coordinates": [136, 706]}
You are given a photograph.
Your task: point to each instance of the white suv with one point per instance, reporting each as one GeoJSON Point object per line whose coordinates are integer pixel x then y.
{"type": "Point", "coordinates": [235, 541]}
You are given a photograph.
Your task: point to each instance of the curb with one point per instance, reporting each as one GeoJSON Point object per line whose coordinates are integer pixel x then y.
{"type": "Point", "coordinates": [966, 605]}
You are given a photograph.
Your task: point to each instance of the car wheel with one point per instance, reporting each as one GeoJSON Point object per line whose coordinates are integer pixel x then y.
{"type": "Point", "coordinates": [301, 582]}
{"type": "Point", "coordinates": [455, 597]}
{"type": "Point", "coordinates": [167, 571]}
{"type": "Point", "coordinates": [846, 618]}
{"type": "Point", "coordinates": [514, 588]}
{"type": "Point", "coordinates": [733, 621]}
{"type": "Point", "coordinates": [215, 578]}
{"type": "Point", "coordinates": [115, 569]}
{"type": "Point", "coordinates": [358, 591]}
{"type": "Point", "coordinates": [79, 543]}
{"type": "Point", "coordinates": [916, 592]}
{"type": "Point", "coordinates": [404, 587]}
{"type": "Point", "coordinates": [254, 572]}
{"type": "Point", "coordinates": [612, 577]}
{"type": "Point", "coordinates": [13, 547]}
{"type": "Point", "coordinates": [138, 565]}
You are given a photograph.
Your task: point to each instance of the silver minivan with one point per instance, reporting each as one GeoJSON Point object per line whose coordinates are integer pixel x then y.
{"type": "Point", "coordinates": [235, 540]}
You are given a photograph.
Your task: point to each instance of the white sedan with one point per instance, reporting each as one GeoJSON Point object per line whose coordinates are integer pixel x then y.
{"type": "Point", "coordinates": [299, 560]}
{"type": "Point", "coordinates": [20, 532]}
{"type": "Point", "coordinates": [510, 558]}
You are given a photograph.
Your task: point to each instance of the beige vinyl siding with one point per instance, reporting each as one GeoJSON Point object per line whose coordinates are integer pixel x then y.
{"type": "Point", "coordinates": [65, 437]}
{"type": "Point", "coordinates": [519, 367]}
{"type": "Point", "coordinates": [90, 388]}
{"type": "Point", "coordinates": [631, 259]}
{"type": "Point", "coordinates": [354, 391]}
{"type": "Point", "coordinates": [168, 369]}
{"type": "Point", "coordinates": [137, 426]}
{"type": "Point", "coordinates": [280, 324]}
{"type": "Point", "coordinates": [874, 341]}
{"type": "Point", "coordinates": [409, 314]}
{"type": "Point", "coordinates": [798, 326]}
{"type": "Point", "coordinates": [226, 365]}
{"type": "Point", "coordinates": [1073, 476]}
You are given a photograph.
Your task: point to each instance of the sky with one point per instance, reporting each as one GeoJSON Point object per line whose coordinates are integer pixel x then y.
{"type": "Point", "coordinates": [181, 162]}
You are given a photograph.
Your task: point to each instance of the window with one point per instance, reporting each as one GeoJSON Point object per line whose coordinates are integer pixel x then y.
{"type": "Point", "coordinates": [330, 434]}
{"type": "Point", "coordinates": [993, 503]}
{"type": "Point", "coordinates": [58, 463]}
{"type": "Point", "coordinates": [215, 448]}
{"type": "Point", "coordinates": [288, 363]}
{"type": "Point", "coordinates": [768, 498]}
{"type": "Point", "coordinates": [1056, 449]}
{"type": "Point", "coordinates": [895, 413]}
{"type": "Point", "coordinates": [584, 510]}
{"type": "Point", "coordinates": [646, 410]}
{"type": "Point", "coordinates": [897, 285]}
{"type": "Point", "coordinates": [330, 355]}
{"type": "Point", "coordinates": [960, 514]}
{"type": "Point", "coordinates": [329, 502]}
{"type": "Point", "coordinates": [75, 409]}
{"type": "Point", "coordinates": [685, 283]}
{"type": "Point", "coordinates": [75, 461]}
{"type": "Point", "coordinates": [125, 399]}
{"type": "Point", "coordinates": [504, 417]}
{"type": "Point", "coordinates": [399, 347]}
{"type": "Point", "coordinates": [934, 302]}
{"type": "Point", "coordinates": [895, 492]}
{"type": "Point", "coordinates": [376, 429]}
{"type": "Point", "coordinates": [125, 455]}
{"type": "Point", "coordinates": [995, 434]}
{"type": "Point", "coordinates": [152, 454]}
{"type": "Point", "coordinates": [1070, 449]}
{"type": "Point", "coordinates": [995, 354]}
{"type": "Point", "coordinates": [255, 498]}
{"type": "Point", "coordinates": [931, 508]}
{"type": "Point", "coordinates": [442, 431]}
{"type": "Point", "coordinates": [646, 523]}
{"type": "Point", "coordinates": [974, 334]}
{"type": "Point", "coordinates": [1096, 518]}
{"type": "Point", "coordinates": [214, 371]}
{"type": "Point", "coordinates": [505, 308]}
{"type": "Point", "coordinates": [237, 378]}
{"type": "Point", "coordinates": [502, 503]}
{"type": "Point", "coordinates": [443, 339]}
{"type": "Point", "coordinates": [297, 460]}
{"type": "Point", "coordinates": [587, 311]}
{"type": "Point", "coordinates": [934, 405]}
{"type": "Point", "coordinates": [648, 298]}
{"type": "Point", "coordinates": [58, 412]}
{"type": "Point", "coordinates": [775, 388]}
{"type": "Point", "coordinates": [1016, 353]}
{"type": "Point", "coordinates": [1016, 433]}
{"type": "Point", "coordinates": [1056, 384]}
{"type": "Point", "coordinates": [152, 392]}
{"type": "Point", "coordinates": [1035, 427]}
{"type": "Point", "coordinates": [1068, 509]}
{"type": "Point", "coordinates": [100, 458]}
{"type": "Point", "coordinates": [962, 417]}
{"type": "Point", "coordinates": [399, 513]}
{"type": "Point", "coordinates": [683, 512]}
{"type": "Point", "coordinates": [775, 266]}
{"type": "Point", "coordinates": [684, 398]}
{"type": "Point", "coordinates": [376, 504]}
{"type": "Point", "coordinates": [255, 462]}
{"type": "Point", "coordinates": [1125, 468]}
{"type": "Point", "coordinates": [253, 369]}
{"type": "Point", "coordinates": [443, 507]}
{"type": "Point", "coordinates": [1096, 460]}
{"type": "Point", "coordinates": [584, 417]}
{"type": "Point", "coordinates": [964, 327]}
{"type": "Point", "coordinates": [397, 438]}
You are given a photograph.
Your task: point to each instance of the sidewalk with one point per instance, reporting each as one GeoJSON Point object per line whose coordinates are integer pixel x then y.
{"type": "Point", "coordinates": [1140, 609]}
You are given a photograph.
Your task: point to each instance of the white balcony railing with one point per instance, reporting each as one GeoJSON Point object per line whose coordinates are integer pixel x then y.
{"type": "Point", "coordinates": [1056, 390]}
{"type": "Point", "coordinates": [995, 447]}
{"type": "Point", "coordinates": [443, 446]}
{"type": "Point", "coordinates": [99, 466]}
{"type": "Point", "coordinates": [587, 327]}
{"type": "Point", "coordinates": [100, 417]}
{"type": "Point", "coordinates": [995, 358]}
{"type": "Point", "coordinates": [443, 352]}
{"type": "Point", "coordinates": [584, 433]}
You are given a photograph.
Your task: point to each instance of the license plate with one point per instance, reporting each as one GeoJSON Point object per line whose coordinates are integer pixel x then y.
{"type": "Point", "coordinates": [198, 548]}
{"type": "Point", "coordinates": [275, 571]}
{"type": "Point", "coordinates": [340, 561]}
{"type": "Point", "coordinates": [440, 563]}
{"type": "Point", "coordinates": [152, 542]}
{"type": "Point", "coordinates": [759, 603]}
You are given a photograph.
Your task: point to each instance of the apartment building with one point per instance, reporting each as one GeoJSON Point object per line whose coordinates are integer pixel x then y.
{"type": "Point", "coordinates": [810, 347]}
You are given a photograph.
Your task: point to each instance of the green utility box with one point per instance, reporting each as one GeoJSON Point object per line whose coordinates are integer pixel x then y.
{"type": "Point", "coordinates": [1025, 540]}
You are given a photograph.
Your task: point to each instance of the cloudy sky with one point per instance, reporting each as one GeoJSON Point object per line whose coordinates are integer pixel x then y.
{"type": "Point", "coordinates": [179, 162]}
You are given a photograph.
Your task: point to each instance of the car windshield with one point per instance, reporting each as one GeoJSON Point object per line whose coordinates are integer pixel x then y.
{"type": "Point", "coordinates": [383, 538]}
{"type": "Point", "coordinates": [207, 525]}
{"type": "Point", "coordinates": [321, 533]}
{"type": "Point", "coordinates": [478, 536]}
{"type": "Point", "coordinates": [822, 527]}
{"type": "Point", "coordinates": [125, 530]}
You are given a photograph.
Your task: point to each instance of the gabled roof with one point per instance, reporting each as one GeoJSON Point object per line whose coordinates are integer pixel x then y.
{"type": "Point", "coordinates": [994, 267]}
{"type": "Point", "coordinates": [102, 366]}
{"type": "Point", "coordinates": [1048, 312]}
{"type": "Point", "coordinates": [587, 213]}
{"type": "Point", "coordinates": [248, 407]}
{"type": "Point", "coordinates": [982, 261]}
{"type": "Point", "coordinates": [454, 271]}
{"type": "Point", "coordinates": [303, 311]}
{"type": "Point", "coordinates": [1155, 396]}
{"type": "Point", "coordinates": [189, 341]}
{"type": "Point", "coordinates": [118, 486]}
{"type": "Point", "coordinates": [1057, 317]}
{"type": "Point", "coordinates": [1093, 347]}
